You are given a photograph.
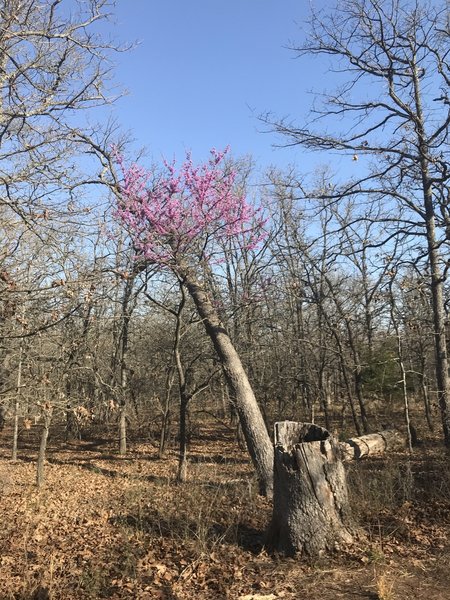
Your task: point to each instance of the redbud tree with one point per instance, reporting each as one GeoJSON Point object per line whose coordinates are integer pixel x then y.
{"type": "Point", "coordinates": [186, 214]}
{"type": "Point", "coordinates": [179, 221]}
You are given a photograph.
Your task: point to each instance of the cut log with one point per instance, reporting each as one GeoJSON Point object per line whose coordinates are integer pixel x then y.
{"type": "Point", "coordinates": [373, 444]}
{"type": "Point", "coordinates": [311, 513]}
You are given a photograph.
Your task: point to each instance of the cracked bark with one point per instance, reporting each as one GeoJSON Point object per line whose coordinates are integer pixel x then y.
{"type": "Point", "coordinates": [311, 513]}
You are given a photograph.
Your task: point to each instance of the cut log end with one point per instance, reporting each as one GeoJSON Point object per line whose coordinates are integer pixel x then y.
{"type": "Point", "coordinates": [374, 444]}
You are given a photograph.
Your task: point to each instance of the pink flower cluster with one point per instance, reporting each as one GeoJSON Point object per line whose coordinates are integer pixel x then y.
{"type": "Point", "coordinates": [186, 213]}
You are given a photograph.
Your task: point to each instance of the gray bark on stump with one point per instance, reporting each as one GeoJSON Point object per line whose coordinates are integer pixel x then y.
{"type": "Point", "coordinates": [311, 513]}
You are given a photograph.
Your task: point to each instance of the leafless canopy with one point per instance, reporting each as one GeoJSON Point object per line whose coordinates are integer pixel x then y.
{"type": "Point", "coordinates": [54, 67]}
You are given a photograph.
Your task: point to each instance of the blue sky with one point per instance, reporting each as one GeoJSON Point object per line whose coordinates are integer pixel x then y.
{"type": "Point", "coordinates": [205, 69]}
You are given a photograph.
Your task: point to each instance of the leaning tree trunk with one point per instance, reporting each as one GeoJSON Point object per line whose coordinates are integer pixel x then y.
{"type": "Point", "coordinates": [253, 426]}
{"type": "Point", "coordinates": [311, 513]}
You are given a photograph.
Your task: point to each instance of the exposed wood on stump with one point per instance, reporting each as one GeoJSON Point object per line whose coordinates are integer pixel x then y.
{"type": "Point", "coordinates": [373, 444]}
{"type": "Point", "coordinates": [311, 513]}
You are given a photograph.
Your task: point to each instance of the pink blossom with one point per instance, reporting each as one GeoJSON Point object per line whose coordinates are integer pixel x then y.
{"type": "Point", "coordinates": [186, 213]}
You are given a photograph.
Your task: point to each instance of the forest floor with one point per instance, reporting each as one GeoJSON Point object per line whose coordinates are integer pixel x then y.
{"type": "Point", "coordinates": [104, 526]}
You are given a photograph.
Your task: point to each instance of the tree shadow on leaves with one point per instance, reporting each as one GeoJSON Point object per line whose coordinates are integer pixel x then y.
{"type": "Point", "coordinates": [154, 523]}
{"type": "Point", "coordinates": [89, 465]}
{"type": "Point", "coordinates": [218, 459]}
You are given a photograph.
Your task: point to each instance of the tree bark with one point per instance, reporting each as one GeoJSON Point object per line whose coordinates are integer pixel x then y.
{"type": "Point", "coordinates": [253, 426]}
{"type": "Point", "coordinates": [122, 429]}
{"type": "Point", "coordinates": [126, 310]}
{"type": "Point", "coordinates": [435, 261]}
{"type": "Point", "coordinates": [373, 444]}
{"type": "Point", "coordinates": [311, 513]}
{"type": "Point", "coordinates": [182, 388]}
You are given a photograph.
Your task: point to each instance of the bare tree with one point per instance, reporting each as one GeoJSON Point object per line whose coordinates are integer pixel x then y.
{"type": "Point", "coordinates": [401, 49]}
{"type": "Point", "coordinates": [54, 66]}
{"type": "Point", "coordinates": [54, 71]}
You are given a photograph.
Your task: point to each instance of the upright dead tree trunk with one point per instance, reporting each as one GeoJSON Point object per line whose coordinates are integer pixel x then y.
{"type": "Point", "coordinates": [311, 512]}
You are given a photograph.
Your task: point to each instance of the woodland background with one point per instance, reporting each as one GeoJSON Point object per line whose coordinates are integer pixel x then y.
{"type": "Point", "coordinates": [339, 315]}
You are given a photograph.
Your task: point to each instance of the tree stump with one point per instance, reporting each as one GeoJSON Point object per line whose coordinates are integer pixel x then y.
{"type": "Point", "coordinates": [311, 513]}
